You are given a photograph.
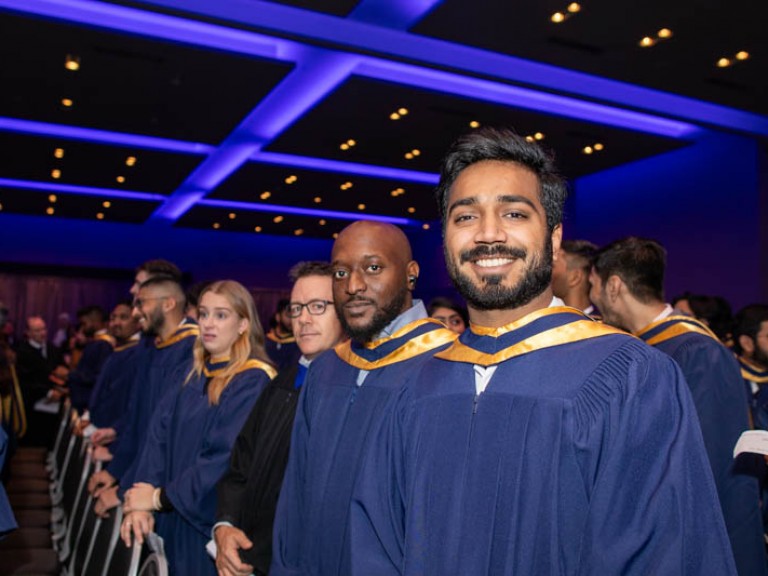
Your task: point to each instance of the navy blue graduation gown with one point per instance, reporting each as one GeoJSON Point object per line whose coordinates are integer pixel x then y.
{"type": "Point", "coordinates": [187, 451]}
{"type": "Point", "coordinates": [83, 378]}
{"type": "Point", "coordinates": [717, 388]}
{"type": "Point", "coordinates": [162, 367]}
{"type": "Point", "coordinates": [581, 457]}
{"type": "Point", "coordinates": [284, 352]}
{"type": "Point", "coordinates": [333, 423]}
{"type": "Point", "coordinates": [7, 520]}
{"type": "Point", "coordinates": [112, 392]}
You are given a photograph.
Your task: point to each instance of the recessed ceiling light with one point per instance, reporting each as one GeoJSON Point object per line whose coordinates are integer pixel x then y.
{"type": "Point", "coordinates": [130, 161]}
{"type": "Point", "coordinates": [557, 17]}
{"type": "Point", "coordinates": [346, 186]}
{"type": "Point", "coordinates": [587, 150]}
{"type": "Point", "coordinates": [216, 225]}
{"type": "Point", "coordinates": [647, 42]}
{"type": "Point", "coordinates": [67, 102]}
{"type": "Point", "coordinates": [411, 210]}
{"type": "Point", "coordinates": [351, 142]}
{"type": "Point", "coordinates": [409, 156]}
{"type": "Point", "coordinates": [317, 199]}
{"type": "Point", "coordinates": [120, 179]}
{"type": "Point", "coordinates": [257, 229]}
{"type": "Point", "coordinates": [321, 222]}
{"type": "Point", "coordinates": [232, 215]}
{"type": "Point", "coordinates": [539, 136]}
{"type": "Point", "coordinates": [402, 111]}
{"type": "Point", "coordinates": [425, 226]}
{"type": "Point", "coordinates": [106, 203]}
{"type": "Point", "coordinates": [58, 153]}
{"type": "Point", "coordinates": [416, 152]}
{"type": "Point", "coordinates": [335, 235]}
{"type": "Point", "coordinates": [474, 124]}
{"type": "Point", "coordinates": [361, 206]}
{"type": "Point", "coordinates": [291, 179]}
{"type": "Point", "coordinates": [52, 198]}
{"type": "Point", "coordinates": [574, 7]}
{"type": "Point", "coordinates": [72, 63]}
{"type": "Point", "coordinates": [100, 216]}
{"type": "Point", "coordinates": [598, 146]}
{"type": "Point", "coordinates": [344, 146]}
{"type": "Point", "coordinates": [49, 210]}
{"type": "Point", "coordinates": [394, 116]}
{"type": "Point", "coordinates": [277, 219]}
{"type": "Point", "coordinates": [742, 55]}
{"type": "Point", "coordinates": [55, 173]}
{"type": "Point", "coordinates": [664, 33]}
{"type": "Point", "coordinates": [264, 195]}
{"type": "Point", "coordinates": [298, 231]}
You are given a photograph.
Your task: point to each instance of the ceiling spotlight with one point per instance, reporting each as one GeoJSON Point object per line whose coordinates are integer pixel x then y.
{"type": "Point", "coordinates": [277, 219]}
{"type": "Point", "coordinates": [120, 179]}
{"type": "Point", "coordinates": [344, 146]}
{"type": "Point", "coordinates": [574, 7]}
{"type": "Point", "coordinates": [232, 215]}
{"type": "Point", "coordinates": [67, 102]}
{"type": "Point", "coordinates": [58, 153]}
{"type": "Point", "coordinates": [216, 225]}
{"type": "Point", "coordinates": [257, 229]}
{"type": "Point", "coordinates": [100, 216]}
{"type": "Point", "coordinates": [530, 138]}
{"type": "Point", "coordinates": [49, 210]}
{"type": "Point", "coordinates": [346, 186]}
{"type": "Point", "coordinates": [425, 226]}
{"type": "Point", "coordinates": [394, 116]}
{"type": "Point", "coordinates": [742, 55]}
{"type": "Point", "coordinates": [723, 63]}
{"type": "Point", "coordinates": [587, 150]}
{"type": "Point", "coordinates": [52, 198]}
{"type": "Point", "coordinates": [402, 111]}
{"type": "Point", "coordinates": [557, 17]}
{"type": "Point", "coordinates": [298, 231]}
{"type": "Point", "coordinates": [409, 156]}
{"type": "Point", "coordinates": [72, 63]}
{"type": "Point", "coordinates": [416, 152]}
{"type": "Point", "coordinates": [664, 33]}
{"type": "Point", "coordinates": [474, 124]}
{"type": "Point", "coordinates": [648, 41]}
{"type": "Point", "coordinates": [335, 235]}
{"type": "Point", "coordinates": [411, 210]}
{"type": "Point", "coordinates": [538, 136]}
{"type": "Point", "coordinates": [291, 179]}
{"type": "Point", "coordinates": [361, 206]}
{"type": "Point", "coordinates": [55, 173]}
{"type": "Point", "coordinates": [130, 161]}
{"type": "Point", "coordinates": [351, 142]}
{"type": "Point", "coordinates": [106, 204]}
{"type": "Point", "coordinates": [598, 147]}
{"type": "Point", "coordinates": [264, 195]}
{"type": "Point", "coordinates": [317, 200]}
{"type": "Point", "coordinates": [321, 222]}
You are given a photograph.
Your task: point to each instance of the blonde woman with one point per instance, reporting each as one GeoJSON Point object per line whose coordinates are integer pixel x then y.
{"type": "Point", "coordinates": [193, 430]}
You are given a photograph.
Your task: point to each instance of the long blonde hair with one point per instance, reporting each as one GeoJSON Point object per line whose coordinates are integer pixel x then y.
{"type": "Point", "coordinates": [249, 344]}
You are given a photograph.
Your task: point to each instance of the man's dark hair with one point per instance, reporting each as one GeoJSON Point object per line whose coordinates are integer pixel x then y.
{"type": "Point", "coordinates": [193, 293]}
{"type": "Point", "coordinates": [170, 281]}
{"type": "Point", "coordinates": [582, 252]}
{"type": "Point", "coordinates": [715, 310]}
{"type": "Point", "coordinates": [95, 312]}
{"type": "Point", "coordinates": [747, 323]}
{"type": "Point", "coordinates": [123, 302]}
{"type": "Point", "coordinates": [160, 267]}
{"type": "Point", "coordinates": [505, 146]}
{"type": "Point", "coordinates": [639, 262]}
{"type": "Point", "coordinates": [282, 304]}
{"type": "Point", "coordinates": [310, 268]}
{"type": "Point", "coordinates": [443, 302]}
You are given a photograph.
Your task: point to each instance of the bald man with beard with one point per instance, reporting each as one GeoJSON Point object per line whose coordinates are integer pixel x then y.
{"type": "Point", "coordinates": [345, 391]}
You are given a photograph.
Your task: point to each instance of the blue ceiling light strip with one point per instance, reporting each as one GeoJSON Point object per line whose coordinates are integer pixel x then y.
{"type": "Point", "coordinates": [79, 190]}
{"type": "Point", "coordinates": [311, 81]}
{"type": "Point", "coordinates": [514, 96]}
{"type": "Point", "coordinates": [362, 36]}
{"type": "Point", "coordinates": [298, 211]}
{"type": "Point", "coordinates": [102, 136]}
{"type": "Point", "coordinates": [326, 165]}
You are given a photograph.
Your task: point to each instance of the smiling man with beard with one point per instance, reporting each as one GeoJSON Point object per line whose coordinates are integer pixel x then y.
{"type": "Point", "coordinates": [345, 392]}
{"type": "Point", "coordinates": [540, 442]}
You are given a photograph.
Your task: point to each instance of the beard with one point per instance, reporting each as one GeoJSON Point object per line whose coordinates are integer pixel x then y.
{"type": "Point", "coordinates": [491, 293]}
{"type": "Point", "coordinates": [759, 356]}
{"type": "Point", "coordinates": [382, 316]}
{"type": "Point", "coordinates": [155, 321]}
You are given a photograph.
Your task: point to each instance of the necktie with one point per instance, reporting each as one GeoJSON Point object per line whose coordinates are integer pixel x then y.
{"type": "Point", "coordinates": [300, 375]}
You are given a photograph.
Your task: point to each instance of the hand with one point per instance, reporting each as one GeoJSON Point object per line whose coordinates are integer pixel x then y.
{"type": "Point", "coordinates": [136, 524]}
{"type": "Point", "coordinates": [80, 425]}
{"type": "Point", "coordinates": [98, 481]}
{"type": "Point", "coordinates": [228, 541]}
{"type": "Point", "coordinates": [102, 454]}
{"type": "Point", "coordinates": [140, 497]}
{"type": "Point", "coordinates": [103, 436]}
{"type": "Point", "coordinates": [106, 500]}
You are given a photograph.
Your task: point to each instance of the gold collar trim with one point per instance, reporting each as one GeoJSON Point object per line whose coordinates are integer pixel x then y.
{"type": "Point", "coordinates": [412, 348]}
{"type": "Point", "coordinates": [275, 338]}
{"type": "Point", "coordinates": [104, 337]}
{"type": "Point", "coordinates": [525, 320]}
{"type": "Point", "coordinates": [129, 344]}
{"type": "Point", "coordinates": [185, 331]}
{"type": "Point", "coordinates": [250, 364]}
{"type": "Point", "coordinates": [411, 326]}
{"type": "Point", "coordinates": [565, 334]}
{"type": "Point", "coordinates": [685, 325]}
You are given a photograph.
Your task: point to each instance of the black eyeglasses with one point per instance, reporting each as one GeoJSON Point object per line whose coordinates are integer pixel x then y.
{"type": "Point", "coordinates": [139, 302]}
{"type": "Point", "coordinates": [314, 307]}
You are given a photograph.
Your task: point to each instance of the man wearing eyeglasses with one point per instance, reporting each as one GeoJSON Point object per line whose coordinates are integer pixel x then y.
{"type": "Point", "coordinates": [247, 495]}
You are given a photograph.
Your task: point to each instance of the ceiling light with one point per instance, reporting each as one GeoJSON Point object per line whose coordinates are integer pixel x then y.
{"type": "Point", "coordinates": [130, 161]}
{"type": "Point", "coordinates": [742, 55]}
{"type": "Point", "coordinates": [277, 219]}
{"type": "Point", "coordinates": [530, 138]}
{"type": "Point", "coordinates": [100, 216]}
{"type": "Point", "coordinates": [72, 63]}
{"type": "Point", "coordinates": [335, 235]}
{"type": "Point", "coordinates": [557, 17]}
{"type": "Point", "coordinates": [598, 146]}
{"type": "Point", "coordinates": [264, 195]}
{"type": "Point", "coordinates": [723, 63]}
{"type": "Point", "coordinates": [351, 142]}
{"type": "Point", "coordinates": [344, 146]}
{"type": "Point", "coordinates": [106, 204]}
{"type": "Point", "coordinates": [361, 206]}
{"type": "Point", "coordinates": [346, 186]}
{"type": "Point", "coordinates": [216, 225]}
{"type": "Point", "coordinates": [66, 102]}
{"type": "Point", "coordinates": [232, 215]}
{"type": "Point", "coordinates": [416, 152]}
{"type": "Point", "coordinates": [317, 200]}
{"type": "Point", "coordinates": [291, 179]}
{"type": "Point", "coordinates": [402, 111]}
{"type": "Point", "coordinates": [321, 222]}
{"type": "Point", "coordinates": [539, 136]}
{"type": "Point", "coordinates": [55, 173]}
{"type": "Point", "coordinates": [120, 179]}
{"type": "Point", "coordinates": [257, 229]}
{"type": "Point", "coordinates": [1, 207]}
{"type": "Point", "coordinates": [52, 198]}
{"type": "Point", "coordinates": [411, 210]}
{"type": "Point", "coordinates": [49, 210]}
{"type": "Point", "coordinates": [298, 231]}
{"type": "Point", "coordinates": [587, 150]}
{"type": "Point", "coordinates": [664, 33]}
{"type": "Point", "coordinates": [394, 116]}
{"type": "Point", "coordinates": [647, 42]}
{"type": "Point", "coordinates": [425, 226]}
{"type": "Point", "coordinates": [58, 153]}
{"type": "Point", "coordinates": [408, 156]}
{"type": "Point", "coordinates": [574, 7]}
{"type": "Point", "coordinates": [474, 124]}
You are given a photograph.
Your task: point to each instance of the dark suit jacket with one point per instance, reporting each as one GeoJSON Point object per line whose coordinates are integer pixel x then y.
{"type": "Point", "coordinates": [33, 370]}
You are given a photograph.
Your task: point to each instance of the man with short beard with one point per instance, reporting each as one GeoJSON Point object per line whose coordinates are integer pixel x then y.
{"type": "Point", "coordinates": [98, 347]}
{"type": "Point", "coordinates": [163, 361]}
{"type": "Point", "coordinates": [345, 392]}
{"type": "Point", "coordinates": [541, 442]}
{"type": "Point", "coordinates": [750, 342]}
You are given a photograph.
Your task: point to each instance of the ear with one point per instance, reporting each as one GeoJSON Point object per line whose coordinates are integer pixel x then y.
{"type": "Point", "coordinates": [412, 274]}
{"type": "Point", "coordinates": [747, 344]}
{"type": "Point", "coordinates": [242, 326]}
{"type": "Point", "coordinates": [557, 238]}
{"type": "Point", "coordinates": [613, 287]}
{"type": "Point", "coordinates": [575, 277]}
{"type": "Point", "coordinates": [169, 304]}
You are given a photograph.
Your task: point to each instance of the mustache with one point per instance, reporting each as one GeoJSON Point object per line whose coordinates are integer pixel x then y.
{"type": "Point", "coordinates": [492, 251]}
{"type": "Point", "coordinates": [357, 298]}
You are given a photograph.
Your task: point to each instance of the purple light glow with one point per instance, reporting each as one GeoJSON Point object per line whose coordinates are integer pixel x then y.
{"type": "Point", "coordinates": [103, 136]}
{"type": "Point", "coordinates": [234, 205]}
{"type": "Point", "coordinates": [79, 190]}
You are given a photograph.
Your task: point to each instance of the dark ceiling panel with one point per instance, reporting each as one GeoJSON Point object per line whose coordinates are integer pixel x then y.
{"type": "Point", "coordinates": [602, 39]}
{"type": "Point", "coordinates": [90, 164]}
{"type": "Point", "coordinates": [360, 110]}
{"type": "Point", "coordinates": [17, 201]}
{"type": "Point", "coordinates": [262, 183]}
{"type": "Point", "coordinates": [125, 83]}
{"type": "Point", "coordinates": [288, 225]}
